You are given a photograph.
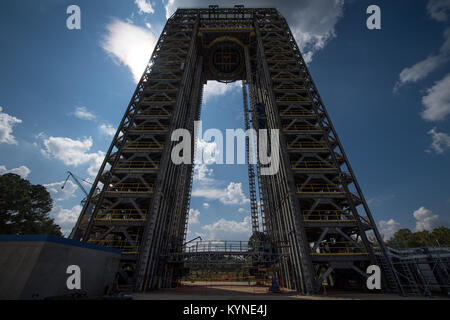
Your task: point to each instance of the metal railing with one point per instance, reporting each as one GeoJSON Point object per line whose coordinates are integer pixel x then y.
{"type": "Point", "coordinates": [144, 146]}
{"type": "Point", "coordinates": [137, 165]}
{"type": "Point", "coordinates": [149, 128]}
{"type": "Point", "coordinates": [319, 188]}
{"type": "Point", "coordinates": [305, 165]}
{"type": "Point", "coordinates": [327, 216]}
{"type": "Point", "coordinates": [307, 145]}
{"type": "Point", "coordinates": [299, 127]}
{"type": "Point", "coordinates": [130, 188]}
{"type": "Point", "coordinates": [327, 248]}
{"type": "Point", "coordinates": [121, 215]}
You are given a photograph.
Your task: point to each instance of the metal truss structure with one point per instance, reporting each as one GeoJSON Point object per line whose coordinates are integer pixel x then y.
{"type": "Point", "coordinates": [313, 204]}
{"type": "Point", "coordinates": [422, 271]}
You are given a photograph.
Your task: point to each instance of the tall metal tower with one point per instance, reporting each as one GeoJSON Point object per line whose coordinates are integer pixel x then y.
{"type": "Point", "coordinates": [314, 203]}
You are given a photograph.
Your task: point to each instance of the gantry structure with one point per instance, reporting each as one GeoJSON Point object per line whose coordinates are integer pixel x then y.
{"type": "Point", "coordinates": [313, 205]}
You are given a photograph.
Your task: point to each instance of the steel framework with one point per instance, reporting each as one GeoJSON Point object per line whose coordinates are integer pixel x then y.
{"type": "Point", "coordinates": [314, 203]}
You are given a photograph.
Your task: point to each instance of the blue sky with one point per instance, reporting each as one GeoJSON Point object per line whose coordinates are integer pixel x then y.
{"type": "Point", "coordinates": [63, 92]}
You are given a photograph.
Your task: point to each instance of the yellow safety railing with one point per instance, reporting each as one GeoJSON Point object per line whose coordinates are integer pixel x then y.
{"type": "Point", "coordinates": [299, 127]}
{"type": "Point", "coordinates": [293, 99]}
{"type": "Point", "coordinates": [319, 188]}
{"type": "Point", "coordinates": [339, 248]}
{"type": "Point", "coordinates": [159, 99]}
{"type": "Point", "coordinates": [312, 165]}
{"type": "Point", "coordinates": [327, 216]}
{"type": "Point", "coordinates": [291, 87]}
{"type": "Point", "coordinates": [142, 165]}
{"type": "Point", "coordinates": [165, 77]}
{"type": "Point", "coordinates": [278, 50]}
{"type": "Point", "coordinates": [298, 113]}
{"type": "Point", "coordinates": [285, 77]}
{"type": "Point", "coordinates": [162, 88]}
{"type": "Point", "coordinates": [281, 68]}
{"type": "Point", "coordinates": [149, 128]}
{"type": "Point", "coordinates": [154, 113]}
{"type": "Point", "coordinates": [121, 215]}
{"type": "Point", "coordinates": [127, 247]}
{"type": "Point", "coordinates": [130, 188]}
{"type": "Point", "coordinates": [143, 146]}
{"type": "Point", "coordinates": [225, 29]}
{"type": "Point", "coordinates": [276, 59]}
{"type": "Point", "coordinates": [276, 44]}
{"type": "Point", "coordinates": [307, 145]}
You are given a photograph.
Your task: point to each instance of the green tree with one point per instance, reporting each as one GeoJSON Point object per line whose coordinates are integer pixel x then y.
{"type": "Point", "coordinates": [405, 238]}
{"type": "Point", "coordinates": [24, 207]}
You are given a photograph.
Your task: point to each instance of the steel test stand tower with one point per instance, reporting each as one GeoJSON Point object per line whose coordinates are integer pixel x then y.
{"type": "Point", "coordinates": [314, 203]}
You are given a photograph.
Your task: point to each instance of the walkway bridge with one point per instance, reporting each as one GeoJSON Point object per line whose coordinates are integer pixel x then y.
{"type": "Point", "coordinates": [214, 252]}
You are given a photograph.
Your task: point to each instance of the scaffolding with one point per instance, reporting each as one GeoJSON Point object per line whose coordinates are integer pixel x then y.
{"type": "Point", "coordinates": [313, 204]}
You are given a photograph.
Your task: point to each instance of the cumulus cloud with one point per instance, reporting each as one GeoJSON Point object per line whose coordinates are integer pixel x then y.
{"type": "Point", "coordinates": [203, 174]}
{"type": "Point", "coordinates": [7, 123]}
{"type": "Point", "coordinates": [426, 220]}
{"type": "Point", "coordinates": [107, 129]}
{"type": "Point", "coordinates": [129, 45]}
{"type": "Point", "coordinates": [144, 6]}
{"type": "Point", "coordinates": [388, 228]}
{"type": "Point", "coordinates": [65, 218]}
{"type": "Point", "coordinates": [241, 210]}
{"type": "Point", "coordinates": [232, 195]}
{"type": "Point", "coordinates": [439, 9]}
{"type": "Point", "coordinates": [22, 171]}
{"type": "Point", "coordinates": [59, 194]}
{"type": "Point", "coordinates": [206, 152]}
{"type": "Point", "coordinates": [83, 113]}
{"type": "Point", "coordinates": [419, 71]}
{"type": "Point", "coordinates": [73, 152]}
{"type": "Point", "coordinates": [206, 205]}
{"type": "Point", "coordinates": [215, 89]}
{"type": "Point", "coordinates": [194, 215]}
{"type": "Point", "coordinates": [440, 141]}
{"type": "Point", "coordinates": [312, 22]}
{"type": "Point", "coordinates": [423, 68]}
{"type": "Point", "coordinates": [229, 229]}
{"type": "Point", "coordinates": [437, 101]}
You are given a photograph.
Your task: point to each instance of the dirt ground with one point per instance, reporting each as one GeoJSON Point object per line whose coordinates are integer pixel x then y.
{"type": "Point", "coordinates": [202, 290]}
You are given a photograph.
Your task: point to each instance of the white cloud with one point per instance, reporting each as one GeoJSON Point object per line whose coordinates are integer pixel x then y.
{"type": "Point", "coordinates": [229, 229]}
{"type": "Point", "coordinates": [437, 101]}
{"type": "Point", "coordinates": [22, 171]}
{"type": "Point", "coordinates": [419, 71]}
{"type": "Point", "coordinates": [129, 45]}
{"type": "Point", "coordinates": [423, 68]}
{"type": "Point", "coordinates": [203, 174]}
{"type": "Point", "coordinates": [388, 228]}
{"type": "Point", "coordinates": [65, 218]}
{"type": "Point", "coordinates": [241, 210]}
{"type": "Point", "coordinates": [312, 22]}
{"type": "Point", "coordinates": [206, 152]}
{"type": "Point", "coordinates": [144, 6]}
{"type": "Point", "coordinates": [439, 9]}
{"type": "Point", "coordinates": [426, 220]}
{"type": "Point", "coordinates": [194, 215]}
{"type": "Point", "coordinates": [440, 143]}
{"type": "Point", "coordinates": [107, 129]}
{"type": "Point", "coordinates": [73, 152]}
{"type": "Point", "coordinates": [59, 194]}
{"type": "Point", "coordinates": [7, 123]}
{"type": "Point", "coordinates": [206, 205]}
{"type": "Point", "coordinates": [216, 89]}
{"type": "Point", "coordinates": [232, 195]}
{"type": "Point", "coordinates": [84, 113]}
